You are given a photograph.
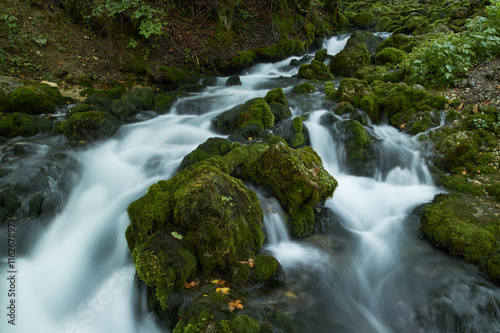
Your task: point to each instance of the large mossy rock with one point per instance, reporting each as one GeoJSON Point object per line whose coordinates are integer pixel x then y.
{"type": "Point", "coordinates": [133, 102]}
{"type": "Point", "coordinates": [390, 55]}
{"type": "Point", "coordinates": [352, 90]}
{"type": "Point", "coordinates": [218, 218]}
{"type": "Point", "coordinates": [293, 131]}
{"type": "Point", "coordinates": [464, 229]}
{"type": "Point", "coordinates": [456, 151]}
{"type": "Point", "coordinates": [90, 126]}
{"type": "Point", "coordinates": [21, 124]}
{"type": "Point", "coordinates": [359, 147]}
{"type": "Point", "coordinates": [35, 98]}
{"type": "Point", "coordinates": [286, 47]}
{"type": "Point", "coordinates": [366, 37]}
{"type": "Point", "coordinates": [278, 104]}
{"type": "Point", "coordinates": [399, 102]}
{"type": "Point", "coordinates": [349, 60]}
{"type": "Point", "coordinates": [297, 179]}
{"type": "Point", "coordinates": [315, 71]}
{"type": "Point", "coordinates": [207, 149]}
{"type": "Point", "coordinates": [255, 112]}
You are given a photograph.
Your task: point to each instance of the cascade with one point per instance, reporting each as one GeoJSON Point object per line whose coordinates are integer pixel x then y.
{"type": "Point", "coordinates": [376, 275]}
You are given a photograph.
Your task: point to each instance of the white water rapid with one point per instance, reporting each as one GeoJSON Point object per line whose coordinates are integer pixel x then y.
{"type": "Point", "coordinates": [368, 272]}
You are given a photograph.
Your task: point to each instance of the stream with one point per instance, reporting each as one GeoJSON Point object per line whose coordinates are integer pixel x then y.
{"type": "Point", "coordinates": [370, 272]}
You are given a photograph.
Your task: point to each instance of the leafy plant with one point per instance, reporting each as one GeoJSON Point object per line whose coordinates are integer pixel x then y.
{"type": "Point", "coordinates": [445, 59]}
{"type": "Point", "coordinates": [137, 10]}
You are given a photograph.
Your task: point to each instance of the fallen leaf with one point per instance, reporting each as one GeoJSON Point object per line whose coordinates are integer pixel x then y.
{"type": "Point", "coordinates": [190, 285]}
{"type": "Point", "coordinates": [251, 262]}
{"type": "Point", "coordinates": [236, 304]}
{"type": "Point", "coordinates": [223, 290]}
{"type": "Point", "coordinates": [176, 235]}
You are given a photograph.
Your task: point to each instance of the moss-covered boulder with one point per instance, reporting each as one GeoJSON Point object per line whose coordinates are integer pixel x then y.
{"type": "Point", "coordinates": [202, 216]}
{"type": "Point", "coordinates": [372, 73]}
{"type": "Point", "coordinates": [255, 112]}
{"type": "Point", "coordinates": [464, 229]}
{"type": "Point", "coordinates": [286, 47]}
{"type": "Point", "coordinates": [321, 55]}
{"type": "Point", "coordinates": [457, 151]}
{"type": "Point", "coordinates": [133, 102]}
{"type": "Point", "coordinates": [349, 60]}
{"type": "Point", "coordinates": [35, 98]}
{"type": "Point", "coordinates": [359, 147]}
{"type": "Point", "coordinates": [398, 101]}
{"type": "Point", "coordinates": [278, 104]}
{"type": "Point", "coordinates": [90, 126]}
{"type": "Point", "coordinates": [163, 102]}
{"type": "Point", "coordinates": [315, 71]}
{"type": "Point", "coordinates": [293, 131]}
{"type": "Point", "coordinates": [170, 77]}
{"type": "Point", "coordinates": [233, 80]}
{"type": "Point", "coordinates": [390, 55]}
{"type": "Point", "coordinates": [362, 20]}
{"type": "Point", "coordinates": [400, 41]}
{"type": "Point", "coordinates": [369, 104]}
{"type": "Point", "coordinates": [21, 124]}
{"type": "Point", "coordinates": [211, 147]}
{"type": "Point", "coordinates": [366, 37]}
{"type": "Point", "coordinates": [303, 88]}
{"type": "Point", "coordinates": [297, 179]}
{"type": "Point", "coordinates": [352, 90]}
{"type": "Point", "coordinates": [243, 60]}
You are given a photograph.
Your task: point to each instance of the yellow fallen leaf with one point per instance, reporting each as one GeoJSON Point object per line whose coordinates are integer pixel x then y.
{"type": "Point", "coordinates": [236, 304]}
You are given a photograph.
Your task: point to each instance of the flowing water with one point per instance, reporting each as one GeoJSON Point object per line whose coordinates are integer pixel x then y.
{"type": "Point", "coordinates": [368, 272]}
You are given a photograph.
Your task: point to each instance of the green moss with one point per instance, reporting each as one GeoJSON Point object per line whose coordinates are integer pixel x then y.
{"type": "Point", "coordinates": [352, 90]}
{"type": "Point", "coordinates": [297, 179]}
{"type": "Point", "coordinates": [349, 60]}
{"type": "Point", "coordinates": [211, 147]}
{"type": "Point", "coordinates": [37, 98]}
{"type": "Point", "coordinates": [303, 88]}
{"type": "Point", "coordinates": [372, 73]}
{"type": "Point", "coordinates": [362, 20]}
{"type": "Point", "coordinates": [243, 59]}
{"type": "Point", "coordinates": [461, 183]}
{"type": "Point", "coordinates": [90, 126]}
{"type": "Point", "coordinates": [369, 104]}
{"type": "Point", "coordinates": [170, 77]}
{"type": "Point", "coordinates": [277, 96]}
{"type": "Point", "coordinates": [315, 71]}
{"type": "Point", "coordinates": [493, 267]}
{"type": "Point", "coordinates": [18, 124]}
{"type": "Point", "coordinates": [219, 218]}
{"type": "Point", "coordinates": [321, 55]}
{"type": "Point", "coordinates": [245, 324]}
{"type": "Point", "coordinates": [254, 112]}
{"type": "Point", "coordinates": [390, 55]}
{"type": "Point", "coordinates": [456, 150]}
{"type": "Point", "coordinates": [233, 80]}
{"type": "Point", "coordinates": [358, 147]}
{"type": "Point", "coordinates": [383, 24]}
{"type": "Point", "coordinates": [133, 102]}
{"type": "Point", "coordinates": [455, 225]}
{"type": "Point", "coordinates": [344, 108]}
{"type": "Point", "coordinates": [267, 269]}
{"type": "Point", "coordinates": [299, 134]}
{"type": "Point", "coordinates": [99, 101]}
{"type": "Point", "coordinates": [163, 103]}
{"type": "Point", "coordinates": [330, 90]}
{"type": "Point", "coordinates": [285, 48]}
